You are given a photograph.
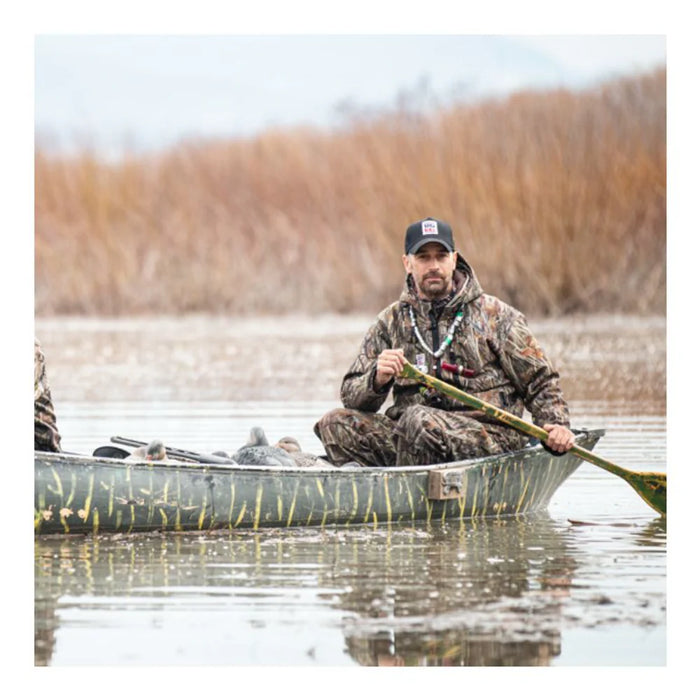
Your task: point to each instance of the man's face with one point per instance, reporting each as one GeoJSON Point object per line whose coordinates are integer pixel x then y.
{"type": "Point", "coordinates": [432, 267]}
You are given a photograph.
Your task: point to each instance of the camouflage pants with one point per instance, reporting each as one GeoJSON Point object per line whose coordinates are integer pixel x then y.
{"type": "Point", "coordinates": [422, 435]}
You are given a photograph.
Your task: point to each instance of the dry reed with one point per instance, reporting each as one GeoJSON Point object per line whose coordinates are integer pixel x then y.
{"type": "Point", "coordinates": [558, 199]}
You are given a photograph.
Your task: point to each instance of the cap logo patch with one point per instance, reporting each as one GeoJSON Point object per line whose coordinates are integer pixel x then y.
{"type": "Point", "coordinates": [430, 228]}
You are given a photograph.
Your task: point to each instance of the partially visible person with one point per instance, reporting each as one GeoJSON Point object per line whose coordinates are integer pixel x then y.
{"type": "Point", "coordinates": [442, 315]}
{"type": "Point", "coordinates": [46, 435]}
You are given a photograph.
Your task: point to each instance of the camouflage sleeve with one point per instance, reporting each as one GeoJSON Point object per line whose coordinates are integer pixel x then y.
{"type": "Point", "coordinates": [38, 371]}
{"type": "Point", "coordinates": [357, 388]}
{"type": "Point", "coordinates": [46, 435]}
{"type": "Point", "coordinates": [536, 380]}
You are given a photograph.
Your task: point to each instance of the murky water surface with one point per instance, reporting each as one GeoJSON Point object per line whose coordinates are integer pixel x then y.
{"type": "Point", "coordinates": [581, 584]}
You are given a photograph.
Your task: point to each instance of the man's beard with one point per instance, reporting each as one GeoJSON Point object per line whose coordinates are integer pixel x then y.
{"type": "Point", "coordinates": [430, 289]}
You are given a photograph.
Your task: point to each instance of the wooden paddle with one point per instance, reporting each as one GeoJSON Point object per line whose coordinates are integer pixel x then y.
{"type": "Point", "coordinates": [651, 486]}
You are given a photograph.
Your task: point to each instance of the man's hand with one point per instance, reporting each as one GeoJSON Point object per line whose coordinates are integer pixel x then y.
{"type": "Point", "coordinates": [560, 438]}
{"type": "Point", "coordinates": [389, 365]}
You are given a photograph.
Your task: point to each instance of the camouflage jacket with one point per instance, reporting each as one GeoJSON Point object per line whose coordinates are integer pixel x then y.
{"type": "Point", "coordinates": [46, 435]}
{"type": "Point", "coordinates": [493, 340]}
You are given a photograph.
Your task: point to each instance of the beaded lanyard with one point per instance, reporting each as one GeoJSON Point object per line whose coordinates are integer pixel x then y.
{"type": "Point", "coordinates": [448, 338]}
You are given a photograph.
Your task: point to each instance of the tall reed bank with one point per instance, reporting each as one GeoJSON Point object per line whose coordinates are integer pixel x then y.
{"type": "Point", "coordinates": [558, 199]}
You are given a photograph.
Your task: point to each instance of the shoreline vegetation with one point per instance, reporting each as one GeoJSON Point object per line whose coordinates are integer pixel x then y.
{"type": "Point", "coordinates": [557, 199]}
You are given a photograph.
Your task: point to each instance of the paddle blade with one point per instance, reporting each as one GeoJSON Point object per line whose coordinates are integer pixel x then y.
{"type": "Point", "coordinates": [651, 486]}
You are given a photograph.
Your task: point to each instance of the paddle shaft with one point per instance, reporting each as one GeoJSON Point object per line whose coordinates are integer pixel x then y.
{"type": "Point", "coordinates": [649, 486]}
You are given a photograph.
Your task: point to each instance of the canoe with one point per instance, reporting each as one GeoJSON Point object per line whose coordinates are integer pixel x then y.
{"type": "Point", "coordinates": [76, 494]}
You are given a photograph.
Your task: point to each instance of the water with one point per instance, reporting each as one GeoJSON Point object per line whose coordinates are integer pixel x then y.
{"type": "Point", "coordinates": [583, 584]}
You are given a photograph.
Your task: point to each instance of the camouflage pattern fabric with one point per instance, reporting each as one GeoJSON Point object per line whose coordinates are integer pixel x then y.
{"type": "Point", "coordinates": [511, 371]}
{"type": "Point", "coordinates": [422, 435]}
{"type": "Point", "coordinates": [46, 436]}
{"type": "Point", "coordinates": [357, 436]}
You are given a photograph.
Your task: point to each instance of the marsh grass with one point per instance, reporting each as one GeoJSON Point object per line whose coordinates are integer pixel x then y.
{"type": "Point", "coordinates": [558, 199]}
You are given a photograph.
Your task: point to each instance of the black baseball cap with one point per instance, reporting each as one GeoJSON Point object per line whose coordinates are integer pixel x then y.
{"type": "Point", "coordinates": [428, 231]}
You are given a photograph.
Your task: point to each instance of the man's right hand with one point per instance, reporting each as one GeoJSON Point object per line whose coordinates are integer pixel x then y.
{"type": "Point", "coordinates": [389, 365]}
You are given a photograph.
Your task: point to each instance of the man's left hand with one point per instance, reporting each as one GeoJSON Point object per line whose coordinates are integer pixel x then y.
{"type": "Point", "coordinates": [560, 438]}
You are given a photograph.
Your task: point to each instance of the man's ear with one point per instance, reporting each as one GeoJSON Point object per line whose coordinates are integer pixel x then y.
{"type": "Point", "coordinates": [406, 263]}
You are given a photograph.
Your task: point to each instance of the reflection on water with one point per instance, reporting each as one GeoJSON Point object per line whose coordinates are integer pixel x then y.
{"type": "Point", "coordinates": [469, 594]}
{"type": "Point", "coordinates": [582, 584]}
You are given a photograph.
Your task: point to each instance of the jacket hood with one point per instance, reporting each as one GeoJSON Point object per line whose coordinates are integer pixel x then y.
{"type": "Point", "coordinates": [466, 282]}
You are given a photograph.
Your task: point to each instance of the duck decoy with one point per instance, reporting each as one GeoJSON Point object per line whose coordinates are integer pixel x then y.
{"type": "Point", "coordinates": [153, 452]}
{"type": "Point", "coordinates": [301, 458]}
{"type": "Point", "coordinates": [259, 451]}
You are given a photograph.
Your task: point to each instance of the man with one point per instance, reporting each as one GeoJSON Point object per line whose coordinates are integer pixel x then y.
{"type": "Point", "coordinates": [442, 315]}
{"type": "Point", "coordinates": [46, 435]}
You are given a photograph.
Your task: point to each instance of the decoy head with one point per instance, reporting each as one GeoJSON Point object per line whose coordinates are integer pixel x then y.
{"type": "Point", "coordinates": [155, 450]}
{"type": "Point", "coordinates": [257, 437]}
{"type": "Point", "coordinates": [289, 444]}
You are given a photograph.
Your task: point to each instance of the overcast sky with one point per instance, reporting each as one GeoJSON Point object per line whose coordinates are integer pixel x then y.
{"type": "Point", "coordinates": [149, 91]}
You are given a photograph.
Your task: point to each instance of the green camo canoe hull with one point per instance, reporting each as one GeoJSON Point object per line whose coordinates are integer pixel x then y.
{"type": "Point", "coordinates": [83, 494]}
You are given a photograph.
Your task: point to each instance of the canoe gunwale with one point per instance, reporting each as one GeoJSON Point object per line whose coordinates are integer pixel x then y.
{"type": "Point", "coordinates": [470, 463]}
